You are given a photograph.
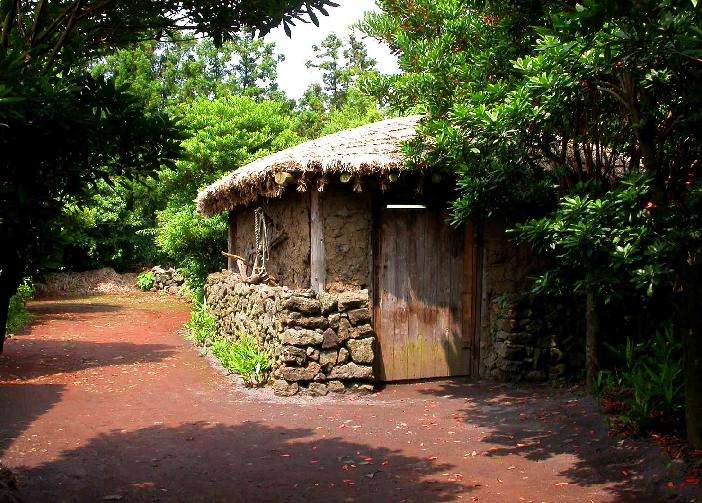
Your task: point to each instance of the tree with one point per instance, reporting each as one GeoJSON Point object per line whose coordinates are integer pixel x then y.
{"type": "Point", "coordinates": [86, 129]}
{"type": "Point", "coordinates": [525, 101]}
{"type": "Point", "coordinates": [327, 59]}
{"type": "Point", "coordinates": [256, 67]}
{"type": "Point", "coordinates": [224, 134]}
{"type": "Point", "coordinates": [341, 64]}
{"type": "Point", "coordinates": [177, 70]}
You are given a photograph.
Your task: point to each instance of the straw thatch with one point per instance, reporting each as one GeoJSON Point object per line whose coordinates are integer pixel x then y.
{"type": "Point", "coordinates": [375, 149]}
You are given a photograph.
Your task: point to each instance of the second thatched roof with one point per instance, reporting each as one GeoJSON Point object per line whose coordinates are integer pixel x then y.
{"type": "Point", "coordinates": [362, 151]}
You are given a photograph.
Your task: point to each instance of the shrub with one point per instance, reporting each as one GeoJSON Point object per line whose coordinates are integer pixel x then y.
{"type": "Point", "coordinates": [202, 326]}
{"type": "Point", "coordinates": [648, 387]}
{"type": "Point", "coordinates": [145, 281]}
{"type": "Point", "coordinates": [18, 316]}
{"type": "Point", "coordinates": [193, 242]}
{"type": "Point", "coordinates": [243, 357]}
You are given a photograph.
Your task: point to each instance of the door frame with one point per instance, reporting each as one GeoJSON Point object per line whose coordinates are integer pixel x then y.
{"type": "Point", "coordinates": [472, 268]}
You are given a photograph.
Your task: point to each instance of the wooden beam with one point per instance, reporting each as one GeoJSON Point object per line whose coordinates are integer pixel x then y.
{"type": "Point", "coordinates": [318, 264]}
{"type": "Point", "coordinates": [231, 242]}
{"type": "Point", "coordinates": [471, 294]}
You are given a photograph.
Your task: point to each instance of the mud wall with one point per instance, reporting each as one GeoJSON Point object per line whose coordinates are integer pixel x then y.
{"type": "Point", "coordinates": [288, 221]}
{"type": "Point", "coordinates": [347, 220]}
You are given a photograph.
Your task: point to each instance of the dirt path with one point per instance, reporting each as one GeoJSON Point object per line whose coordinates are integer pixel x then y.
{"type": "Point", "coordinates": [102, 400]}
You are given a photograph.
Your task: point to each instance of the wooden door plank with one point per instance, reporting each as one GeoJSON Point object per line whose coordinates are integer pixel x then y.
{"type": "Point", "coordinates": [401, 325]}
{"type": "Point", "coordinates": [387, 306]}
{"type": "Point", "coordinates": [421, 281]}
{"type": "Point", "coordinates": [460, 347]}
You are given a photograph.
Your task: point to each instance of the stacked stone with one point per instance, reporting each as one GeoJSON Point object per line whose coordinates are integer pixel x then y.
{"type": "Point", "coordinates": [528, 341]}
{"type": "Point", "coordinates": [167, 280]}
{"type": "Point", "coordinates": [320, 343]}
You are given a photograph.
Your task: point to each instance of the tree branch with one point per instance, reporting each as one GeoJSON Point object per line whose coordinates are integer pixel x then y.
{"type": "Point", "coordinates": [7, 25]}
{"type": "Point", "coordinates": [69, 27]}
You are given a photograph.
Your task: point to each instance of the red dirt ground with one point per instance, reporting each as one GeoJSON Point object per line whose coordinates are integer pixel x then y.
{"type": "Point", "coordinates": [102, 400]}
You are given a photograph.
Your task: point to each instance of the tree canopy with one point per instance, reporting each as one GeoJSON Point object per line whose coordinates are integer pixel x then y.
{"type": "Point", "coordinates": [585, 116]}
{"type": "Point", "coordinates": [64, 130]}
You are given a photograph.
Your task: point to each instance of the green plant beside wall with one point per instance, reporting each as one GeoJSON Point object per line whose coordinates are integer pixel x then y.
{"type": "Point", "coordinates": [18, 316]}
{"type": "Point", "coordinates": [647, 386]}
{"type": "Point", "coordinates": [243, 357]}
{"type": "Point", "coordinates": [145, 281]}
{"type": "Point", "coordinates": [202, 328]}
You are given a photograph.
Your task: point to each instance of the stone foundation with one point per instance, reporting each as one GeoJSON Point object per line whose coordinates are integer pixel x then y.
{"type": "Point", "coordinates": [532, 339]}
{"type": "Point", "coordinates": [319, 343]}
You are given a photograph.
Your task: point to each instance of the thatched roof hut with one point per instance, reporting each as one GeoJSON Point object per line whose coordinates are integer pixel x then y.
{"type": "Point", "coordinates": [374, 149]}
{"type": "Point", "coordinates": [342, 215]}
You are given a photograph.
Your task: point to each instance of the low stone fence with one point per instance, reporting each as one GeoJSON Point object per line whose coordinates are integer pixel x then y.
{"type": "Point", "coordinates": [318, 342]}
{"type": "Point", "coordinates": [532, 341]}
{"type": "Point", "coordinates": [168, 280]}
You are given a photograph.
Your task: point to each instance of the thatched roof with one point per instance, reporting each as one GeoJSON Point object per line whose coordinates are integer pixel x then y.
{"type": "Point", "coordinates": [375, 149]}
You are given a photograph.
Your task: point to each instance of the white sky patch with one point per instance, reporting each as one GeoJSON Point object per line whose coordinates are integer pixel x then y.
{"type": "Point", "coordinates": [293, 77]}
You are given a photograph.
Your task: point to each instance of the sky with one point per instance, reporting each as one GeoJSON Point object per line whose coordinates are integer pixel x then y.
{"type": "Point", "coordinates": [293, 77]}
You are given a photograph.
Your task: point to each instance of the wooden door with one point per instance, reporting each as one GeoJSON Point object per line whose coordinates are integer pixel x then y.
{"type": "Point", "coordinates": [425, 298]}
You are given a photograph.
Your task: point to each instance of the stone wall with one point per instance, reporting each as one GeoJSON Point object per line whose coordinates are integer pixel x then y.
{"type": "Point", "coordinates": [167, 279]}
{"type": "Point", "coordinates": [318, 343]}
{"type": "Point", "coordinates": [523, 337]}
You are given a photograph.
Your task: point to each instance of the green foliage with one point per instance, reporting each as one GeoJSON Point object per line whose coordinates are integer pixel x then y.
{"type": "Point", "coordinates": [479, 121]}
{"type": "Point", "coordinates": [648, 382]}
{"type": "Point", "coordinates": [359, 109]}
{"type": "Point", "coordinates": [607, 243]}
{"type": "Point", "coordinates": [18, 315]}
{"type": "Point", "coordinates": [224, 134]}
{"type": "Point", "coordinates": [202, 328]}
{"type": "Point", "coordinates": [179, 70]}
{"type": "Point", "coordinates": [113, 227]}
{"type": "Point", "coordinates": [525, 101]}
{"type": "Point", "coordinates": [243, 357]}
{"type": "Point", "coordinates": [340, 103]}
{"type": "Point", "coordinates": [145, 281]}
{"type": "Point", "coordinates": [193, 242]}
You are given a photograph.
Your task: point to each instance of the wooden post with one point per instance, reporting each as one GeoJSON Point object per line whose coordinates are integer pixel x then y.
{"type": "Point", "coordinates": [318, 265]}
{"type": "Point", "coordinates": [231, 241]}
{"type": "Point", "coordinates": [471, 295]}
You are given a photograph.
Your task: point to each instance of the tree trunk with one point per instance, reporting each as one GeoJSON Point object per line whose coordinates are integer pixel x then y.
{"type": "Point", "coordinates": [9, 280]}
{"type": "Point", "coordinates": [592, 336]}
{"type": "Point", "coordinates": [692, 356]}
{"type": "Point", "coordinates": [5, 294]}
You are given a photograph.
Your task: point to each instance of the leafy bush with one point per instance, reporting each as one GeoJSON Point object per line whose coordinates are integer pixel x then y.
{"type": "Point", "coordinates": [18, 316]}
{"type": "Point", "coordinates": [112, 226]}
{"type": "Point", "coordinates": [647, 389]}
{"type": "Point", "coordinates": [202, 326]}
{"type": "Point", "coordinates": [193, 242]}
{"type": "Point", "coordinates": [243, 357]}
{"type": "Point", "coordinates": [145, 281]}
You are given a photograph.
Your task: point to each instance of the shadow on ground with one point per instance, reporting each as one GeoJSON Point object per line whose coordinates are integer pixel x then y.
{"type": "Point", "coordinates": [246, 462]}
{"type": "Point", "coordinates": [33, 358]}
{"type": "Point", "coordinates": [540, 422]}
{"type": "Point", "coordinates": [29, 402]}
